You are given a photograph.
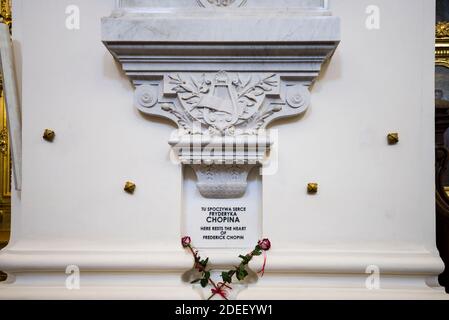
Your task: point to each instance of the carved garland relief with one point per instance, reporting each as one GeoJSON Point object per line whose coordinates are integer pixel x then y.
{"type": "Point", "coordinates": [223, 102]}
{"type": "Point", "coordinates": [228, 109]}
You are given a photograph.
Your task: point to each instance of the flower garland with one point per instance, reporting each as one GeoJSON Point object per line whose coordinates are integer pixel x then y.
{"type": "Point", "coordinates": [239, 271]}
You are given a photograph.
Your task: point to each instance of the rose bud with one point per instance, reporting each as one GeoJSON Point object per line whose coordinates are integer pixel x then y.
{"type": "Point", "coordinates": [186, 242]}
{"type": "Point", "coordinates": [264, 244]}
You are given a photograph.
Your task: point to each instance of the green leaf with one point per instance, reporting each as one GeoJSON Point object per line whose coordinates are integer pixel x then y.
{"type": "Point", "coordinates": [195, 281]}
{"type": "Point", "coordinates": [227, 277]}
{"type": "Point", "coordinates": [246, 259]}
{"type": "Point", "coordinates": [257, 252]}
{"type": "Point", "coordinates": [204, 282]}
{"type": "Point", "coordinates": [241, 273]}
{"type": "Point", "coordinates": [207, 275]}
{"type": "Point", "coordinates": [204, 262]}
{"type": "Point", "coordinates": [240, 276]}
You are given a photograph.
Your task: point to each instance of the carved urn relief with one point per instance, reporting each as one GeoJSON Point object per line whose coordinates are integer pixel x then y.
{"type": "Point", "coordinates": [222, 75]}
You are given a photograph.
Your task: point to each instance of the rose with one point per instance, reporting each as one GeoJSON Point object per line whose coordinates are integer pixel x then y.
{"type": "Point", "coordinates": [264, 244]}
{"type": "Point", "coordinates": [186, 241]}
{"type": "Point", "coordinates": [240, 271]}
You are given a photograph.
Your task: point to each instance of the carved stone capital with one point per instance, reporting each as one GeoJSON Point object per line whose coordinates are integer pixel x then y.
{"type": "Point", "coordinates": [214, 149]}
{"type": "Point", "coordinates": [222, 76]}
{"type": "Point", "coordinates": [222, 163]}
{"type": "Point", "coordinates": [222, 181]}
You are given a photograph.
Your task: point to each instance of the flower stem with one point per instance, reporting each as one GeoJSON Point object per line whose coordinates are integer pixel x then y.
{"type": "Point", "coordinates": [232, 273]}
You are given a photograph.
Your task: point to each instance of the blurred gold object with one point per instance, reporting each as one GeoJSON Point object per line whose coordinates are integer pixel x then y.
{"type": "Point", "coordinates": [442, 44]}
{"type": "Point", "coordinates": [5, 12]}
{"type": "Point", "coordinates": [442, 30]}
{"type": "Point", "coordinates": [312, 188]}
{"type": "Point", "coordinates": [49, 135]}
{"type": "Point", "coordinates": [6, 18]}
{"type": "Point", "coordinates": [393, 138]}
{"type": "Point", "coordinates": [5, 155]}
{"type": "Point", "coordinates": [130, 187]}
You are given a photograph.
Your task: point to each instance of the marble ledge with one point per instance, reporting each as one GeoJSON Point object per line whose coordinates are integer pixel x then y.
{"type": "Point", "coordinates": [228, 12]}
{"type": "Point", "coordinates": [218, 28]}
{"type": "Point", "coordinates": [241, 4]}
{"type": "Point", "coordinates": [159, 275]}
{"type": "Point", "coordinates": [145, 292]}
{"type": "Point", "coordinates": [292, 262]}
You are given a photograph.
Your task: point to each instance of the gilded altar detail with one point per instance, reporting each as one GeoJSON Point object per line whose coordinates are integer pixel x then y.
{"type": "Point", "coordinates": [442, 44]}
{"type": "Point", "coordinates": [5, 156]}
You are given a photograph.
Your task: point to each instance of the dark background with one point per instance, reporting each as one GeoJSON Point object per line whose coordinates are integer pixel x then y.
{"type": "Point", "coordinates": [442, 10]}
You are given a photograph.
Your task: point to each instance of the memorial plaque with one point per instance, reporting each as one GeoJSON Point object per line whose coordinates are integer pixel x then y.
{"type": "Point", "coordinates": [223, 223]}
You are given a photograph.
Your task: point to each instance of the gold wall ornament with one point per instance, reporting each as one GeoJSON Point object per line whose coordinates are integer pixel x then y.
{"type": "Point", "coordinates": [393, 138]}
{"type": "Point", "coordinates": [5, 155]}
{"type": "Point", "coordinates": [5, 179]}
{"type": "Point", "coordinates": [442, 30]}
{"type": "Point", "coordinates": [442, 44]}
{"type": "Point", "coordinates": [130, 187]}
{"type": "Point", "coordinates": [312, 188]}
{"type": "Point", "coordinates": [49, 135]}
{"type": "Point", "coordinates": [6, 18]}
{"type": "Point", "coordinates": [4, 141]}
{"type": "Point", "coordinates": [6, 12]}
{"type": "Point", "coordinates": [5, 162]}
{"type": "Point", "coordinates": [442, 53]}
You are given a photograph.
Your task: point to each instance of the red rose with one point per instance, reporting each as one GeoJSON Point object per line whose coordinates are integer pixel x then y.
{"type": "Point", "coordinates": [186, 241]}
{"type": "Point", "coordinates": [264, 244]}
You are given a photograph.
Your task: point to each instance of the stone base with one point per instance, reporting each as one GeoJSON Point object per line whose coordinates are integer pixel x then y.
{"type": "Point", "coordinates": [290, 275]}
{"type": "Point", "coordinates": [185, 292]}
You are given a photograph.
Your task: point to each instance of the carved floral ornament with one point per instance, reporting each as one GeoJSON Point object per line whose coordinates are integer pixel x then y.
{"type": "Point", "coordinates": [222, 103]}
{"type": "Point", "coordinates": [221, 119]}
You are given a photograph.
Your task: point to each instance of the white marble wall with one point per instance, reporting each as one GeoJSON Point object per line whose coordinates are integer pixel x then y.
{"type": "Point", "coordinates": [375, 204]}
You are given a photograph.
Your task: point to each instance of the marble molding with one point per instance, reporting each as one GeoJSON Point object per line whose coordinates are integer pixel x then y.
{"type": "Point", "coordinates": [221, 75]}
{"type": "Point", "coordinates": [151, 4]}
{"type": "Point", "coordinates": [312, 275]}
